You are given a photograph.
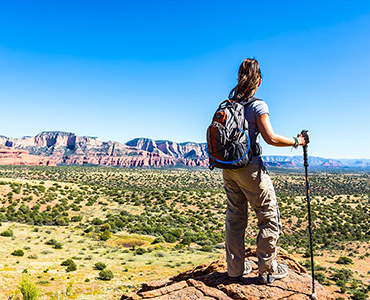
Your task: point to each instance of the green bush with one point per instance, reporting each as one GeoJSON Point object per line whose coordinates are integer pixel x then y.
{"type": "Point", "coordinates": [359, 295]}
{"type": "Point", "coordinates": [28, 288]}
{"type": "Point", "coordinates": [343, 260]}
{"type": "Point", "coordinates": [186, 240]}
{"type": "Point", "coordinates": [140, 251]}
{"type": "Point", "coordinates": [18, 252]}
{"type": "Point", "coordinates": [342, 274]}
{"type": "Point", "coordinates": [105, 275]}
{"type": "Point", "coordinates": [207, 248]}
{"type": "Point", "coordinates": [97, 221]}
{"type": "Point", "coordinates": [70, 264]}
{"type": "Point", "coordinates": [76, 219]}
{"type": "Point", "coordinates": [159, 239]}
{"type": "Point", "coordinates": [7, 233]}
{"type": "Point", "coordinates": [100, 266]}
{"type": "Point", "coordinates": [58, 245]}
{"type": "Point", "coordinates": [320, 277]}
{"type": "Point", "coordinates": [72, 267]}
{"type": "Point", "coordinates": [104, 236]}
{"type": "Point", "coordinates": [51, 242]}
{"type": "Point", "coordinates": [169, 238]}
{"type": "Point", "coordinates": [105, 226]}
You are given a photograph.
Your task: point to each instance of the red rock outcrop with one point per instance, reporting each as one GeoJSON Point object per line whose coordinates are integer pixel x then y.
{"type": "Point", "coordinates": [69, 149]}
{"type": "Point", "coordinates": [210, 281]}
{"type": "Point", "coordinates": [10, 156]}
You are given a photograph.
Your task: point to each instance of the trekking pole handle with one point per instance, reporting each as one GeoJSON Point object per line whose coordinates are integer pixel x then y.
{"type": "Point", "coordinates": [306, 137]}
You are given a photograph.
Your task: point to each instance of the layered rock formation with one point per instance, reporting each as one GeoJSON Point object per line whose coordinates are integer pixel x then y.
{"type": "Point", "coordinates": [69, 149]}
{"type": "Point", "coordinates": [210, 281]}
{"type": "Point", "coordinates": [9, 156]}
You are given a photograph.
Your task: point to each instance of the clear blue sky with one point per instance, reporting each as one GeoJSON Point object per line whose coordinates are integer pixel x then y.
{"type": "Point", "coordinates": [158, 69]}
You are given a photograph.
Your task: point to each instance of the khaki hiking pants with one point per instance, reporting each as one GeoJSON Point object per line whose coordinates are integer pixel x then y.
{"type": "Point", "coordinates": [252, 185]}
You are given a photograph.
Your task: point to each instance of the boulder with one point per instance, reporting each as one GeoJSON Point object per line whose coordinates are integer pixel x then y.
{"type": "Point", "coordinates": [210, 281]}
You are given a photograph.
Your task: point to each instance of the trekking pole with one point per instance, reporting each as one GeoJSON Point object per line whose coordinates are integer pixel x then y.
{"type": "Point", "coordinates": [305, 156]}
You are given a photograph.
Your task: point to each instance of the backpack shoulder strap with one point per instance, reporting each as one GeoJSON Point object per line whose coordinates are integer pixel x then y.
{"type": "Point", "coordinates": [249, 101]}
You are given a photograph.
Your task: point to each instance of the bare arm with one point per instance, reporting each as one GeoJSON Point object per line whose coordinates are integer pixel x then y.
{"type": "Point", "coordinates": [271, 138]}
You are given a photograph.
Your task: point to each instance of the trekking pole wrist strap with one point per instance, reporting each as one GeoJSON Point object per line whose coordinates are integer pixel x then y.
{"type": "Point", "coordinates": [296, 144]}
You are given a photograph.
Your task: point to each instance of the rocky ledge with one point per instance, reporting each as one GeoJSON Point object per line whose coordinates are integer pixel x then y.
{"type": "Point", "coordinates": [210, 281]}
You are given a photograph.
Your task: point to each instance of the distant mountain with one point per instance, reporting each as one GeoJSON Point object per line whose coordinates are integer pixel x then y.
{"type": "Point", "coordinates": [65, 148]}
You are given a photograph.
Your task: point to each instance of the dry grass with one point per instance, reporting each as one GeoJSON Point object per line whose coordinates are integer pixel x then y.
{"type": "Point", "coordinates": [129, 269]}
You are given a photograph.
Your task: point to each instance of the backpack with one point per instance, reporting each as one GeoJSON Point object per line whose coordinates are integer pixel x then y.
{"type": "Point", "coordinates": [228, 143]}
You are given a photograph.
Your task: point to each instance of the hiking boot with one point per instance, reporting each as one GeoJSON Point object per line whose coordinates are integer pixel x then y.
{"type": "Point", "coordinates": [281, 271]}
{"type": "Point", "coordinates": [247, 270]}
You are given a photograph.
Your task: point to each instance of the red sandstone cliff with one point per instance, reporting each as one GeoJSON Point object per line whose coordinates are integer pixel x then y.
{"type": "Point", "coordinates": [9, 156]}
{"type": "Point", "coordinates": [69, 149]}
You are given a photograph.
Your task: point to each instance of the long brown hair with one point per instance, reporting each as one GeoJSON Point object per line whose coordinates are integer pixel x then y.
{"type": "Point", "coordinates": [249, 78]}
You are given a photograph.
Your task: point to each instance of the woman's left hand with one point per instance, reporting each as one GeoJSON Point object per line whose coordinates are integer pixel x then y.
{"type": "Point", "coordinates": [301, 139]}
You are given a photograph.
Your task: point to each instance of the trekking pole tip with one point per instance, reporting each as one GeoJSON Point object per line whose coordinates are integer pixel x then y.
{"type": "Point", "coordinates": [313, 296]}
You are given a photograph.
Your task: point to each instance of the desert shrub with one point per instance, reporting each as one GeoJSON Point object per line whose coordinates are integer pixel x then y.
{"type": "Point", "coordinates": [28, 288]}
{"type": "Point", "coordinates": [58, 245]}
{"type": "Point", "coordinates": [186, 240]}
{"type": "Point", "coordinates": [97, 221]}
{"type": "Point", "coordinates": [32, 256]}
{"type": "Point", "coordinates": [55, 243]}
{"type": "Point", "coordinates": [105, 226]}
{"type": "Point", "coordinates": [179, 246]}
{"type": "Point", "coordinates": [51, 242]}
{"type": "Point", "coordinates": [160, 254]}
{"type": "Point", "coordinates": [76, 219]}
{"type": "Point", "coordinates": [343, 289]}
{"type": "Point", "coordinates": [7, 233]}
{"type": "Point", "coordinates": [61, 221]}
{"type": "Point", "coordinates": [18, 252]}
{"type": "Point", "coordinates": [67, 262]}
{"type": "Point", "coordinates": [105, 275]}
{"type": "Point", "coordinates": [169, 238]}
{"type": "Point", "coordinates": [207, 248]}
{"type": "Point", "coordinates": [159, 239]}
{"type": "Point", "coordinates": [140, 251]}
{"type": "Point", "coordinates": [359, 295]}
{"type": "Point", "coordinates": [89, 229]}
{"type": "Point", "coordinates": [70, 264]}
{"type": "Point", "coordinates": [176, 232]}
{"type": "Point", "coordinates": [100, 266]}
{"type": "Point", "coordinates": [343, 260]}
{"type": "Point", "coordinates": [104, 236]}
{"type": "Point", "coordinates": [71, 267]}
{"type": "Point", "coordinates": [320, 277]}
{"type": "Point", "coordinates": [342, 274]}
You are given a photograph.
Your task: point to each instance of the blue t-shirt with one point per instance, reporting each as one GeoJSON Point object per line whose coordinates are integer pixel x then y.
{"type": "Point", "coordinates": [251, 112]}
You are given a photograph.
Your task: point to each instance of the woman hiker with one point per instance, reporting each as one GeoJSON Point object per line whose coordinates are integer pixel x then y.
{"type": "Point", "coordinates": [252, 184]}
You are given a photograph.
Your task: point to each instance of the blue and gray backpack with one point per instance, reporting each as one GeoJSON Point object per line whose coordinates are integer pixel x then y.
{"type": "Point", "coordinates": [229, 146]}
